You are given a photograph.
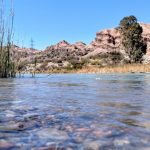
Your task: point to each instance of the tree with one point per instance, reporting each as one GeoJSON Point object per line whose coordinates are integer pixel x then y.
{"type": "Point", "coordinates": [132, 41]}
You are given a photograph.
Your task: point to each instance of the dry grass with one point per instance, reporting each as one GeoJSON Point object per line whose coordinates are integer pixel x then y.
{"type": "Point", "coordinates": [127, 68]}
{"type": "Point", "coordinates": [134, 68]}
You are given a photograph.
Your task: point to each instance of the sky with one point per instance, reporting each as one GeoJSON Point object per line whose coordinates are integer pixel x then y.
{"type": "Point", "coordinates": [49, 21]}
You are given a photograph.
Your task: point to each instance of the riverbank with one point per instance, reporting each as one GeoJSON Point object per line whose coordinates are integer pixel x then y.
{"type": "Point", "coordinates": [126, 68]}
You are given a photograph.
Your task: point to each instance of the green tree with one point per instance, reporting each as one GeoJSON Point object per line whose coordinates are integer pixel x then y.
{"type": "Point", "coordinates": [132, 41]}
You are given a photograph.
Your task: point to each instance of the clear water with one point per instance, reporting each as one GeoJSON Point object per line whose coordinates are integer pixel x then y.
{"type": "Point", "coordinates": [75, 112]}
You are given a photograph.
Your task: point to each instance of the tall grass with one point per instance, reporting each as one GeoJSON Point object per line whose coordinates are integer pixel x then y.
{"type": "Point", "coordinates": [7, 65]}
{"type": "Point", "coordinates": [126, 68]}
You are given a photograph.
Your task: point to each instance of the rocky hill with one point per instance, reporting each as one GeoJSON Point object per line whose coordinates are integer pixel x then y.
{"type": "Point", "coordinates": [109, 40]}
{"type": "Point", "coordinates": [60, 55]}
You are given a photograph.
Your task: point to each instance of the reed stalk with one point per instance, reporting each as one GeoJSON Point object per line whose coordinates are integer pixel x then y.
{"type": "Point", "coordinates": [7, 64]}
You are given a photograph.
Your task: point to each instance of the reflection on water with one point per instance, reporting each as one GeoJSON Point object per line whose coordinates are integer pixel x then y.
{"type": "Point", "coordinates": [75, 112]}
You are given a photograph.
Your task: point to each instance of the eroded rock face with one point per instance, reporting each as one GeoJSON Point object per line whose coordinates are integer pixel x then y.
{"type": "Point", "coordinates": [106, 41]}
{"type": "Point", "coordinates": [61, 45]}
{"type": "Point", "coordinates": [146, 36]}
{"type": "Point", "coordinates": [65, 45]}
{"type": "Point", "coordinates": [65, 51]}
{"type": "Point", "coordinates": [23, 54]}
{"type": "Point", "coordinates": [80, 45]}
{"type": "Point", "coordinates": [109, 40]}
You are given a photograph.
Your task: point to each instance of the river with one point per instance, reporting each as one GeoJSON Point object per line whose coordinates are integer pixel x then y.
{"type": "Point", "coordinates": [75, 112]}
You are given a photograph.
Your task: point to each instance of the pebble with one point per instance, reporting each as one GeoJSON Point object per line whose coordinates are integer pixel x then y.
{"type": "Point", "coordinates": [50, 117]}
{"type": "Point", "coordinates": [145, 141]}
{"type": "Point", "coordinates": [92, 145]}
{"type": "Point", "coordinates": [83, 130]}
{"type": "Point", "coordinates": [100, 133]}
{"type": "Point", "coordinates": [31, 116]}
{"type": "Point", "coordinates": [12, 127]}
{"type": "Point", "coordinates": [52, 147]}
{"type": "Point", "coordinates": [147, 148]}
{"type": "Point", "coordinates": [69, 148]}
{"type": "Point", "coordinates": [69, 128]}
{"type": "Point", "coordinates": [10, 114]}
{"type": "Point", "coordinates": [5, 145]}
{"type": "Point", "coordinates": [44, 148]}
{"type": "Point", "coordinates": [121, 142]}
{"type": "Point", "coordinates": [146, 124]}
{"type": "Point", "coordinates": [79, 139]}
{"type": "Point", "coordinates": [52, 133]}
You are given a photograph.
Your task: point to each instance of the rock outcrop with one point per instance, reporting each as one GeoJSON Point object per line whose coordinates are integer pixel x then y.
{"type": "Point", "coordinates": [106, 41]}
{"type": "Point", "coordinates": [23, 54]}
{"type": "Point", "coordinates": [146, 36]}
{"type": "Point", "coordinates": [109, 40]}
{"type": "Point", "coordinates": [64, 51]}
{"type": "Point", "coordinates": [66, 45]}
{"type": "Point", "coordinates": [61, 45]}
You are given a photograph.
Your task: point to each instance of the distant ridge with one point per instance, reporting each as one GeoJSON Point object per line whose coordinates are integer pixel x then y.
{"type": "Point", "coordinates": [106, 41]}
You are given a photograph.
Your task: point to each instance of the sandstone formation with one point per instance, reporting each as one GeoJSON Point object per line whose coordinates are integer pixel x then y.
{"type": "Point", "coordinates": [24, 54]}
{"type": "Point", "coordinates": [106, 41]}
{"type": "Point", "coordinates": [109, 40]}
{"type": "Point", "coordinates": [64, 51]}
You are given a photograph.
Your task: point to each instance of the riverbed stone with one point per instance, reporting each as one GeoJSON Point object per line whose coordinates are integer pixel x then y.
{"type": "Point", "coordinates": [69, 128]}
{"type": "Point", "coordinates": [5, 145]}
{"type": "Point", "coordinates": [121, 142]}
{"type": "Point", "coordinates": [100, 133]}
{"type": "Point", "coordinates": [12, 127]}
{"type": "Point", "coordinates": [79, 139]}
{"type": "Point", "coordinates": [52, 133]}
{"type": "Point", "coordinates": [92, 145]}
{"type": "Point", "coordinates": [10, 114]}
{"type": "Point", "coordinates": [44, 148]}
{"type": "Point", "coordinates": [83, 129]}
{"type": "Point", "coordinates": [146, 148]}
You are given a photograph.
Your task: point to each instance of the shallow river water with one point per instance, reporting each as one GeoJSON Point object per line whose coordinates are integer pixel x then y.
{"type": "Point", "coordinates": [75, 112]}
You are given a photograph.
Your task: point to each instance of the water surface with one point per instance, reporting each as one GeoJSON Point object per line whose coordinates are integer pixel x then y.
{"type": "Point", "coordinates": [108, 111]}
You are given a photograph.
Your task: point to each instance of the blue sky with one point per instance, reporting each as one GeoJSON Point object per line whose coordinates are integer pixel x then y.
{"type": "Point", "coordinates": [50, 21]}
